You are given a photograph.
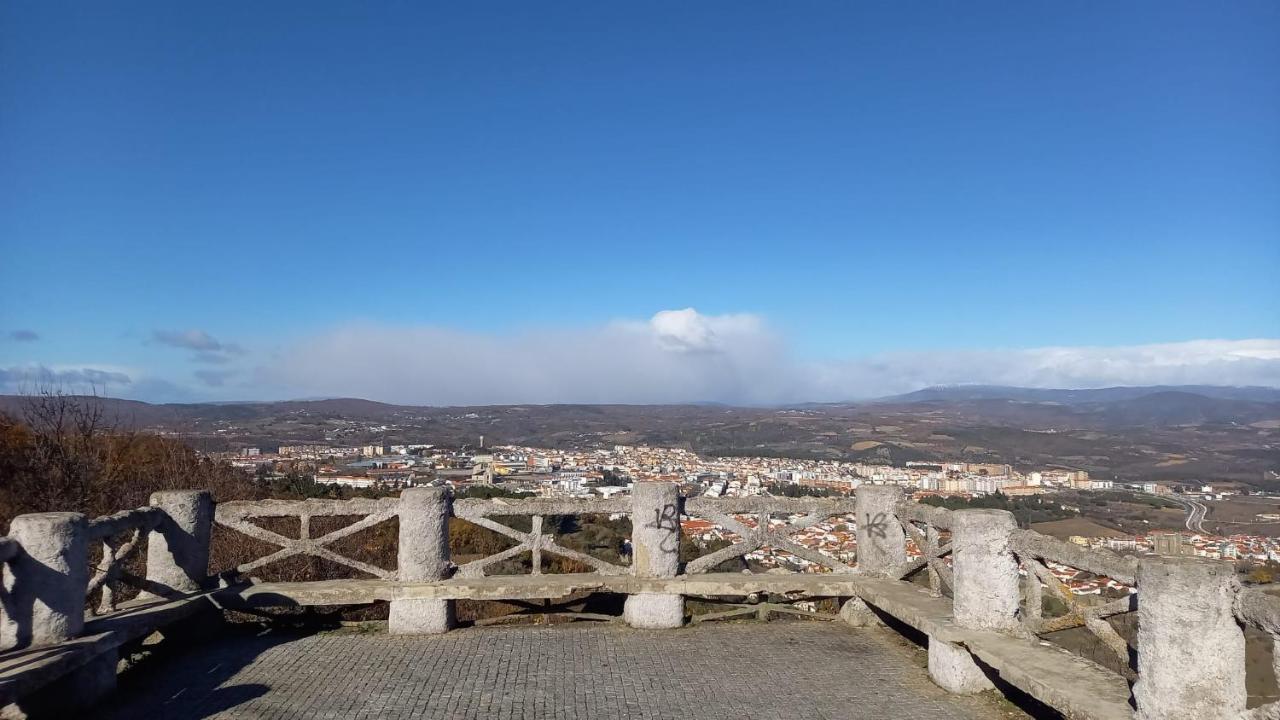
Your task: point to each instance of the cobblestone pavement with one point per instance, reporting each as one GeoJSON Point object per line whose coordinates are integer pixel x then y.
{"type": "Point", "coordinates": [761, 671]}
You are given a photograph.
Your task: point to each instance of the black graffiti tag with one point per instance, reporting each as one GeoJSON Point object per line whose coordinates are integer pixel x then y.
{"type": "Point", "coordinates": [667, 518]}
{"type": "Point", "coordinates": [877, 527]}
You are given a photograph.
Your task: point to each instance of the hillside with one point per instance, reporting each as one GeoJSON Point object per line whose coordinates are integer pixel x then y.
{"type": "Point", "coordinates": [1138, 433]}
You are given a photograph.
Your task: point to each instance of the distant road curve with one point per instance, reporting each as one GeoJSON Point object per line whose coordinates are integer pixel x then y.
{"type": "Point", "coordinates": [1196, 511]}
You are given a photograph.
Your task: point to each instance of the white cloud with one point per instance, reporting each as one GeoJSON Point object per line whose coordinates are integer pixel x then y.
{"type": "Point", "coordinates": [689, 331]}
{"type": "Point", "coordinates": [685, 356]}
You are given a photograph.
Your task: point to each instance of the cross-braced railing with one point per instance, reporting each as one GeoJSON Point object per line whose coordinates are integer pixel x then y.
{"type": "Point", "coordinates": [1040, 555]}
{"type": "Point", "coordinates": [484, 513]}
{"type": "Point", "coordinates": [757, 523]}
{"type": "Point", "coordinates": [928, 531]}
{"type": "Point", "coordinates": [122, 536]}
{"type": "Point", "coordinates": [239, 516]}
{"type": "Point", "coordinates": [764, 530]}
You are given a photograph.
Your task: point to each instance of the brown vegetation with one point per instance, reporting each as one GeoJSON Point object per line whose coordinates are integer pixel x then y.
{"type": "Point", "coordinates": [65, 454]}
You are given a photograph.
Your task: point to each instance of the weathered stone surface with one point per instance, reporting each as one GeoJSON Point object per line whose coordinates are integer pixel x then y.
{"type": "Point", "coordinates": [145, 518]}
{"type": "Point", "coordinates": [45, 582]}
{"type": "Point", "coordinates": [420, 617]}
{"type": "Point", "coordinates": [939, 518]}
{"type": "Point", "coordinates": [954, 670]}
{"type": "Point", "coordinates": [655, 542]}
{"type": "Point", "coordinates": [882, 543]}
{"type": "Point", "coordinates": [27, 672]}
{"type": "Point", "coordinates": [1191, 664]}
{"type": "Point", "coordinates": [764, 671]}
{"type": "Point", "coordinates": [855, 613]}
{"type": "Point", "coordinates": [1260, 609]}
{"type": "Point", "coordinates": [239, 509]}
{"type": "Point", "coordinates": [1071, 685]}
{"type": "Point", "coordinates": [178, 547]}
{"type": "Point", "coordinates": [71, 695]}
{"type": "Point", "coordinates": [769, 503]}
{"type": "Point", "coordinates": [1100, 561]}
{"type": "Point", "coordinates": [987, 595]}
{"type": "Point", "coordinates": [474, 507]}
{"type": "Point", "coordinates": [653, 611]}
{"type": "Point", "coordinates": [528, 587]}
{"type": "Point", "coordinates": [423, 554]}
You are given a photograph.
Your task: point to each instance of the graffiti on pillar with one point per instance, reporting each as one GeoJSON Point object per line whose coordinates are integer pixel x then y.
{"type": "Point", "coordinates": [667, 519]}
{"type": "Point", "coordinates": [878, 526]}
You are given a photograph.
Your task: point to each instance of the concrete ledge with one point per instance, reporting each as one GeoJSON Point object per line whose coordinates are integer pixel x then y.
{"type": "Point", "coordinates": [530, 587]}
{"type": "Point", "coordinates": [25, 671]}
{"type": "Point", "coordinates": [1076, 687]}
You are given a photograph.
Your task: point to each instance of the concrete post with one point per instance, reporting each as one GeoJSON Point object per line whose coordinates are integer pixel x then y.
{"type": "Point", "coordinates": [1191, 662]}
{"type": "Point", "coordinates": [46, 581]}
{"type": "Point", "coordinates": [178, 548]}
{"type": "Point", "coordinates": [882, 543]}
{"type": "Point", "coordinates": [655, 552]}
{"type": "Point", "coordinates": [423, 556]}
{"type": "Point", "coordinates": [987, 596]}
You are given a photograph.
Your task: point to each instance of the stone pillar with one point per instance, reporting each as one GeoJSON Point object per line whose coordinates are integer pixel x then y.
{"type": "Point", "coordinates": [882, 543]}
{"type": "Point", "coordinates": [987, 596]}
{"type": "Point", "coordinates": [178, 548]}
{"type": "Point", "coordinates": [655, 552]}
{"type": "Point", "coordinates": [1191, 663]}
{"type": "Point", "coordinates": [423, 556]}
{"type": "Point", "coordinates": [45, 582]}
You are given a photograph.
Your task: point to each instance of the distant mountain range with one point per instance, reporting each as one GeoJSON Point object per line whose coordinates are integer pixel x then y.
{"type": "Point", "coordinates": [1164, 432]}
{"type": "Point", "coordinates": [947, 393]}
{"type": "Point", "coordinates": [1158, 405]}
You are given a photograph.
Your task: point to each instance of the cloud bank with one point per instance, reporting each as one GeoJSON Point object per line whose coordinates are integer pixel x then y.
{"type": "Point", "coordinates": [28, 378]}
{"type": "Point", "coordinates": [675, 356]}
{"type": "Point", "coordinates": [684, 356]}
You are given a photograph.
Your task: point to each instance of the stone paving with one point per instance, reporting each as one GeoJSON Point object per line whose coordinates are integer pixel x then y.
{"type": "Point", "coordinates": [762, 671]}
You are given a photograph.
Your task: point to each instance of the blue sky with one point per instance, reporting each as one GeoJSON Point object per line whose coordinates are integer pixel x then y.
{"type": "Point", "coordinates": [867, 185]}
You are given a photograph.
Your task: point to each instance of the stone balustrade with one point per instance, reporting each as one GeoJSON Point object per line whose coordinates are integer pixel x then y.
{"type": "Point", "coordinates": [979, 605]}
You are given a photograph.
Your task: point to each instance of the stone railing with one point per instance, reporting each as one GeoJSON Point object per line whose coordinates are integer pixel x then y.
{"type": "Point", "coordinates": [122, 536]}
{"type": "Point", "coordinates": [49, 575]}
{"type": "Point", "coordinates": [535, 542]}
{"type": "Point", "coordinates": [929, 529]}
{"type": "Point", "coordinates": [800, 513]}
{"type": "Point", "coordinates": [1261, 610]}
{"type": "Point", "coordinates": [1035, 554]}
{"type": "Point", "coordinates": [969, 581]}
{"type": "Point", "coordinates": [239, 516]}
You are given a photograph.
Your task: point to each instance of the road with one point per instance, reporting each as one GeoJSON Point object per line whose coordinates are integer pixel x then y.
{"type": "Point", "coordinates": [1196, 511]}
